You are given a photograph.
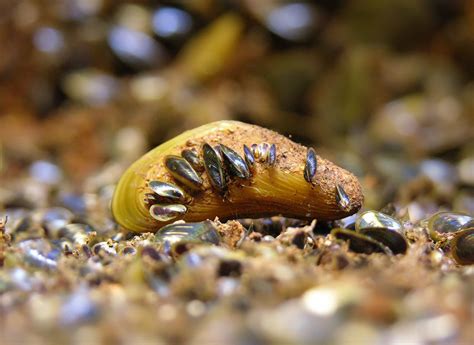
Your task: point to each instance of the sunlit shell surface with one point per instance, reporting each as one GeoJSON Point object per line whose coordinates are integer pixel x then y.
{"type": "Point", "coordinates": [276, 184]}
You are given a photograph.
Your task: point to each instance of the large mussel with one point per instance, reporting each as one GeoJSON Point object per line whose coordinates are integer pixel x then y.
{"type": "Point", "coordinates": [249, 172]}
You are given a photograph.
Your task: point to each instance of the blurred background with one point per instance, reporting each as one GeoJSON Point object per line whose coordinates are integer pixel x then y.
{"type": "Point", "coordinates": [383, 88]}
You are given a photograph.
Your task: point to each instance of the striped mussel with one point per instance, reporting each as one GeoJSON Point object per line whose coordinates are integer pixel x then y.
{"type": "Point", "coordinates": [230, 169]}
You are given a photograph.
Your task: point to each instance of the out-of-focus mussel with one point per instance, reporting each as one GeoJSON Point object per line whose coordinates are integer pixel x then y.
{"type": "Point", "coordinates": [173, 234]}
{"type": "Point", "coordinates": [391, 238]}
{"type": "Point", "coordinates": [360, 243]}
{"type": "Point", "coordinates": [462, 247]}
{"type": "Point", "coordinates": [444, 224]}
{"type": "Point", "coordinates": [384, 229]}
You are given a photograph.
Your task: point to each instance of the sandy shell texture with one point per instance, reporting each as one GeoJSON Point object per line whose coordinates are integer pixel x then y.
{"type": "Point", "coordinates": [272, 190]}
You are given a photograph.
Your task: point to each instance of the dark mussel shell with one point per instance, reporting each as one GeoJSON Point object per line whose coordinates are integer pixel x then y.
{"type": "Point", "coordinates": [462, 247]}
{"type": "Point", "coordinates": [311, 165]}
{"type": "Point", "coordinates": [183, 172]}
{"type": "Point", "coordinates": [193, 158]}
{"type": "Point", "coordinates": [236, 164]}
{"type": "Point", "coordinates": [389, 237]}
{"type": "Point", "coordinates": [360, 243]}
{"type": "Point", "coordinates": [249, 157]}
{"type": "Point", "coordinates": [214, 167]}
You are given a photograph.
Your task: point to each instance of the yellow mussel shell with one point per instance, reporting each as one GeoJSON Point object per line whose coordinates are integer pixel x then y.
{"type": "Point", "coordinates": [279, 188]}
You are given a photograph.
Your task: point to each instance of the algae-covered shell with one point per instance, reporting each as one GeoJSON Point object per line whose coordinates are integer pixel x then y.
{"type": "Point", "coordinates": [276, 187]}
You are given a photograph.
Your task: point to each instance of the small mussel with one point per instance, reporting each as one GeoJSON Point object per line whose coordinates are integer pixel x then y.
{"type": "Point", "coordinates": [375, 219]}
{"type": "Point", "coordinates": [384, 229]}
{"type": "Point", "coordinates": [214, 167]}
{"type": "Point", "coordinates": [272, 154]}
{"type": "Point", "coordinates": [104, 249]}
{"type": "Point", "coordinates": [183, 172]}
{"type": "Point", "coordinates": [237, 165]}
{"type": "Point", "coordinates": [249, 172]}
{"type": "Point", "coordinates": [167, 191]}
{"type": "Point", "coordinates": [311, 165]}
{"type": "Point", "coordinates": [360, 243]}
{"type": "Point", "coordinates": [390, 238]}
{"type": "Point", "coordinates": [164, 213]}
{"type": "Point", "coordinates": [173, 234]}
{"type": "Point", "coordinates": [193, 158]}
{"type": "Point", "coordinates": [462, 247]}
{"type": "Point", "coordinates": [77, 233]}
{"type": "Point", "coordinates": [342, 198]}
{"type": "Point", "coordinates": [445, 224]}
{"type": "Point", "coordinates": [249, 157]}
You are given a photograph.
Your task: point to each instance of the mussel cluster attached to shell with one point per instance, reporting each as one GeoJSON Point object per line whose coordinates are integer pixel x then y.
{"type": "Point", "coordinates": [230, 170]}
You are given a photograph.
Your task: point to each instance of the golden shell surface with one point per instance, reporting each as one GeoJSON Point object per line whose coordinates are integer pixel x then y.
{"type": "Point", "coordinates": [271, 190]}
